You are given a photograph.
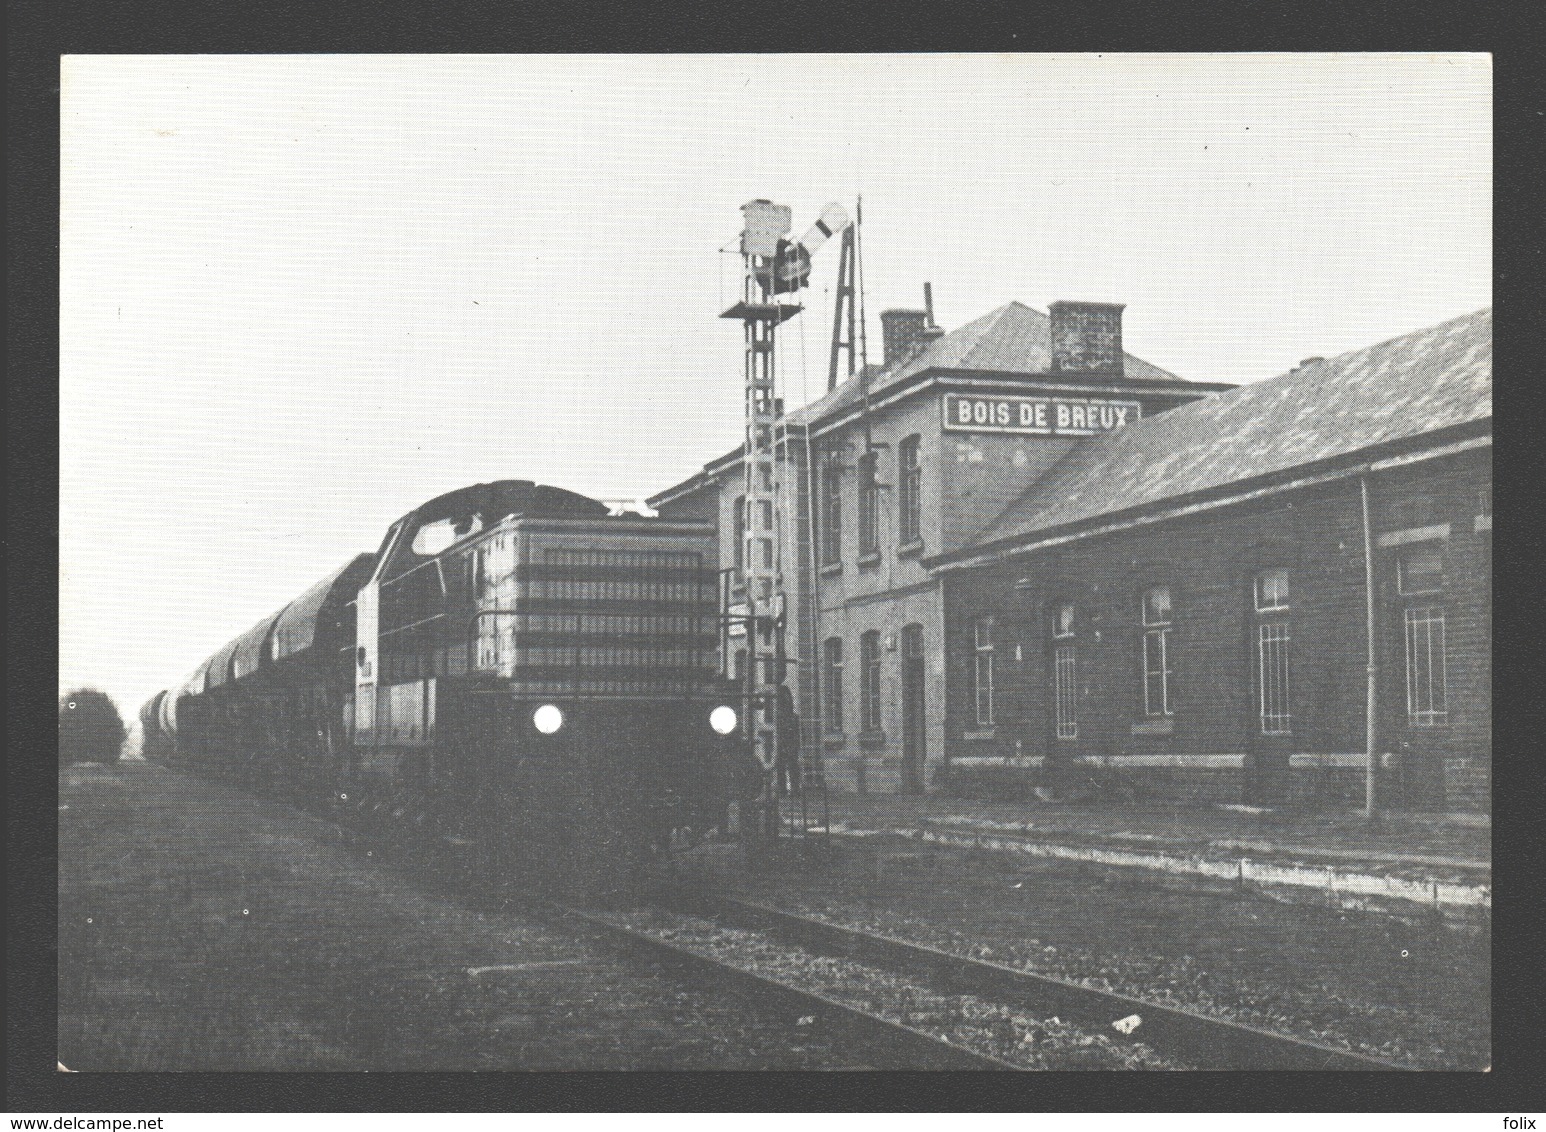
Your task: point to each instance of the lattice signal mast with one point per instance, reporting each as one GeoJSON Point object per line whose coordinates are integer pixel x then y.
{"type": "Point", "coordinates": [773, 267]}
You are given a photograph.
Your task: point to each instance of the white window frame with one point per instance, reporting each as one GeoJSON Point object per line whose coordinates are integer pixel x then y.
{"type": "Point", "coordinates": [832, 662]}
{"type": "Point", "coordinates": [910, 490]}
{"type": "Point", "coordinates": [869, 677]}
{"type": "Point", "coordinates": [982, 670]}
{"type": "Point", "coordinates": [1427, 700]}
{"type": "Point", "coordinates": [1065, 685]}
{"type": "Point", "coordinates": [1275, 600]}
{"type": "Point", "coordinates": [1156, 648]}
{"type": "Point", "coordinates": [869, 505]}
{"type": "Point", "coordinates": [831, 513]}
{"type": "Point", "coordinates": [1273, 684]}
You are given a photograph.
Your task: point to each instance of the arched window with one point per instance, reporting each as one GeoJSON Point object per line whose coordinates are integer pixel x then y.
{"type": "Point", "coordinates": [909, 491]}
{"type": "Point", "coordinates": [1065, 673]}
{"type": "Point", "coordinates": [832, 684]}
{"type": "Point", "coordinates": [1156, 618]}
{"type": "Point", "coordinates": [1272, 639]}
{"type": "Point", "coordinates": [869, 681]}
{"type": "Point", "coordinates": [1420, 583]}
{"type": "Point", "coordinates": [982, 670]}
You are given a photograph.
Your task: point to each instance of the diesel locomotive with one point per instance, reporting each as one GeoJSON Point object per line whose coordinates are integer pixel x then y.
{"type": "Point", "coordinates": [516, 672]}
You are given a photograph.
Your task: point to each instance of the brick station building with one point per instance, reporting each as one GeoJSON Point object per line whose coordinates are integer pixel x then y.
{"type": "Point", "coordinates": [867, 630]}
{"type": "Point", "coordinates": [1061, 568]}
{"type": "Point", "coordinates": [1177, 609]}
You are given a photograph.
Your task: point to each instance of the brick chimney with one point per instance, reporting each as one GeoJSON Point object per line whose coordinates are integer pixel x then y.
{"type": "Point", "coordinates": [1087, 338]}
{"type": "Point", "coordinates": [902, 332]}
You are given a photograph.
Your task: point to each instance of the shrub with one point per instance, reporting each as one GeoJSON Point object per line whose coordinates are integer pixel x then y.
{"type": "Point", "coordinates": [90, 728]}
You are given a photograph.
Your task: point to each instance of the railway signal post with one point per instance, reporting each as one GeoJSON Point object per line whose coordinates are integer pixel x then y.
{"type": "Point", "coordinates": [773, 267]}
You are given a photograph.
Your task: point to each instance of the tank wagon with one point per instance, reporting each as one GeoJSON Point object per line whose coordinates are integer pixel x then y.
{"type": "Point", "coordinates": [515, 672]}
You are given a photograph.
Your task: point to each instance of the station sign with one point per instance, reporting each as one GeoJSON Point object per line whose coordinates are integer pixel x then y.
{"type": "Point", "coordinates": [1037, 416]}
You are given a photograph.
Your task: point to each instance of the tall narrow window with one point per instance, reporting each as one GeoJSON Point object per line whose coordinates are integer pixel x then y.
{"type": "Point", "coordinates": [739, 522]}
{"type": "Point", "coordinates": [1420, 574]}
{"type": "Point", "coordinates": [1065, 674]}
{"type": "Point", "coordinates": [1427, 677]}
{"type": "Point", "coordinates": [910, 491]}
{"type": "Point", "coordinates": [831, 513]}
{"type": "Point", "coordinates": [1156, 652]}
{"type": "Point", "coordinates": [869, 504]}
{"type": "Point", "coordinates": [1272, 639]}
{"type": "Point", "coordinates": [982, 670]}
{"type": "Point", "coordinates": [869, 681]}
{"type": "Point", "coordinates": [832, 684]}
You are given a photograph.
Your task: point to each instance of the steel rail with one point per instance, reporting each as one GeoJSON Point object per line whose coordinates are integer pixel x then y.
{"type": "Point", "coordinates": [894, 1045]}
{"type": "Point", "coordinates": [1200, 1040]}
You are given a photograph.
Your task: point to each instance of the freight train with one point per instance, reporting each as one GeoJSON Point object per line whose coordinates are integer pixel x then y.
{"type": "Point", "coordinates": [516, 672]}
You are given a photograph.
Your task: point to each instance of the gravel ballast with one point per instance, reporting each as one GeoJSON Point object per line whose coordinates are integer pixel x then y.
{"type": "Point", "coordinates": [1417, 995]}
{"type": "Point", "coordinates": [1034, 1042]}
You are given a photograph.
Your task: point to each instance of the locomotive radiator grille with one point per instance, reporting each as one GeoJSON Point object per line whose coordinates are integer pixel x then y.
{"type": "Point", "coordinates": [607, 622]}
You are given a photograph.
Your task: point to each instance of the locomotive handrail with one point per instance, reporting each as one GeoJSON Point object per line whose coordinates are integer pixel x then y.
{"type": "Point", "coordinates": [413, 624]}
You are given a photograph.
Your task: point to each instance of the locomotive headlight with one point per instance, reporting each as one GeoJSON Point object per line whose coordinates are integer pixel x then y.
{"type": "Point", "coordinates": [547, 719]}
{"type": "Point", "coordinates": [723, 719]}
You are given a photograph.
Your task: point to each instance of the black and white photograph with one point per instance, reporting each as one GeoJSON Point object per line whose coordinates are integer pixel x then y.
{"type": "Point", "coordinates": [799, 562]}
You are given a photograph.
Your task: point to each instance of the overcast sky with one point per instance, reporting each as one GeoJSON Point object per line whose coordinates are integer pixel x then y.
{"type": "Point", "coordinates": [302, 294]}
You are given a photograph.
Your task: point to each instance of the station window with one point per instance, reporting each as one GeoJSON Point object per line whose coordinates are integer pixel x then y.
{"type": "Point", "coordinates": [1065, 673]}
{"type": "Point", "coordinates": [1427, 676]}
{"type": "Point", "coordinates": [1272, 641]}
{"type": "Point", "coordinates": [831, 513]}
{"type": "Point", "coordinates": [1271, 590]}
{"type": "Point", "coordinates": [1156, 651]}
{"type": "Point", "coordinates": [910, 491]}
{"type": "Point", "coordinates": [869, 687]}
{"type": "Point", "coordinates": [982, 670]}
{"type": "Point", "coordinates": [832, 684]}
{"type": "Point", "coordinates": [1420, 571]}
{"type": "Point", "coordinates": [869, 504]}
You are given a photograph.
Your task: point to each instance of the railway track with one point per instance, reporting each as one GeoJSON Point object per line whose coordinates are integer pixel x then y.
{"type": "Point", "coordinates": [1192, 1040]}
{"type": "Point", "coordinates": [1200, 1041]}
{"type": "Point", "coordinates": [878, 1042]}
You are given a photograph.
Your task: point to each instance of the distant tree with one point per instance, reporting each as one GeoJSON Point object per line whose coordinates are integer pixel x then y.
{"type": "Point", "coordinates": [90, 728]}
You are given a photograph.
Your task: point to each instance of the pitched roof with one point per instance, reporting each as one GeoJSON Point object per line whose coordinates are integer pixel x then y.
{"type": "Point", "coordinates": [1418, 383]}
{"type": "Point", "coordinates": [1014, 339]}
